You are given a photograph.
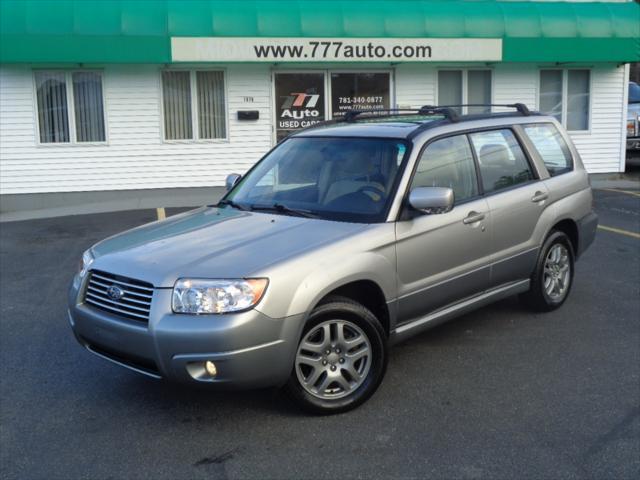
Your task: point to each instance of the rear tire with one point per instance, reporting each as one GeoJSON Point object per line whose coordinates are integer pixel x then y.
{"type": "Point", "coordinates": [553, 276]}
{"type": "Point", "coordinates": [340, 360]}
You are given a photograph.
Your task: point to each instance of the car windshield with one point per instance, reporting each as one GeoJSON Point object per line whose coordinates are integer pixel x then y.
{"type": "Point", "coordinates": [334, 178]}
{"type": "Point", "coordinates": [634, 92]}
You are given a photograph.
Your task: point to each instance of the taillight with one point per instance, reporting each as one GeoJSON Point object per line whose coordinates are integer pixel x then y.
{"type": "Point", "coordinates": [631, 128]}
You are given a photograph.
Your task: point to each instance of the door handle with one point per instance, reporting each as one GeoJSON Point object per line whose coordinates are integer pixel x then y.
{"type": "Point", "coordinates": [539, 197]}
{"type": "Point", "coordinates": [473, 217]}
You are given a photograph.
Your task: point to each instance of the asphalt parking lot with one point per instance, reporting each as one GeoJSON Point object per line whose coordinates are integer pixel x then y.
{"type": "Point", "coordinates": [499, 393]}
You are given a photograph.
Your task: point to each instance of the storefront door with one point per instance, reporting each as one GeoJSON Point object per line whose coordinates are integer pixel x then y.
{"type": "Point", "coordinates": [300, 101]}
{"type": "Point", "coordinates": [305, 98]}
{"type": "Point", "coordinates": [359, 91]}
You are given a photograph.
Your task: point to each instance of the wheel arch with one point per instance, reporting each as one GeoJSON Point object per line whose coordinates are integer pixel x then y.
{"type": "Point", "coordinates": [366, 292]}
{"type": "Point", "coordinates": [569, 227]}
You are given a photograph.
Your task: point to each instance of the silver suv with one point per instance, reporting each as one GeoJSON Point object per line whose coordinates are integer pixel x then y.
{"type": "Point", "coordinates": [343, 240]}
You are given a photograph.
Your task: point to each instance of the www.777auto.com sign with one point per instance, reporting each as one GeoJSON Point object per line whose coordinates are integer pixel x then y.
{"type": "Point", "coordinates": [257, 49]}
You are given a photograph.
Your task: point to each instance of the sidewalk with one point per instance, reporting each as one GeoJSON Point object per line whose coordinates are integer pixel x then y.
{"type": "Point", "coordinates": [629, 180]}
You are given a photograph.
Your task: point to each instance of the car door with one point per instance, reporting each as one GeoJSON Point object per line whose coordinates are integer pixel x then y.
{"type": "Point", "coordinates": [442, 258]}
{"type": "Point", "coordinates": [516, 200]}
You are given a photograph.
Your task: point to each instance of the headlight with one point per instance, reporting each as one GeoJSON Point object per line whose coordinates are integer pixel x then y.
{"type": "Point", "coordinates": [216, 296]}
{"type": "Point", "coordinates": [85, 263]}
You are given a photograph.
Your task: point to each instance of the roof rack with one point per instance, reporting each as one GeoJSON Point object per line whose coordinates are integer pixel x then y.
{"type": "Point", "coordinates": [352, 115]}
{"type": "Point", "coordinates": [447, 111]}
{"type": "Point", "coordinates": [520, 107]}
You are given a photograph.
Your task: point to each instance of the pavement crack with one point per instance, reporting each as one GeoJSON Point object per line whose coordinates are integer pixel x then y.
{"type": "Point", "coordinates": [216, 459]}
{"type": "Point", "coordinates": [615, 433]}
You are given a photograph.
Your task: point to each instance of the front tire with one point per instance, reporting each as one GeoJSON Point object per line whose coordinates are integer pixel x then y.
{"type": "Point", "coordinates": [553, 277]}
{"type": "Point", "coordinates": [340, 360]}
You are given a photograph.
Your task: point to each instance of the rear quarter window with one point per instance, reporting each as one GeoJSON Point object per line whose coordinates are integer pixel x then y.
{"type": "Point", "coordinates": [551, 147]}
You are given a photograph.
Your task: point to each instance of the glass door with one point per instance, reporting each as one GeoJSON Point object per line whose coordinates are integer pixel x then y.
{"type": "Point", "coordinates": [359, 91]}
{"type": "Point", "coordinates": [299, 101]}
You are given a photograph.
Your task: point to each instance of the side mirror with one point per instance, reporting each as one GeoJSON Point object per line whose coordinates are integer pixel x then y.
{"type": "Point", "coordinates": [431, 199]}
{"type": "Point", "coordinates": [231, 180]}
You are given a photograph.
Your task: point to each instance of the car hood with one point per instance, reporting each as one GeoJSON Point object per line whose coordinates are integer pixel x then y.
{"type": "Point", "coordinates": [213, 243]}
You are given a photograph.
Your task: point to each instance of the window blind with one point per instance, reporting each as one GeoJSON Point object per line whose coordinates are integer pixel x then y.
{"type": "Point", "coordinates": [177, 105]}
{"type": "Point", "coordinates": [53, 116]}
{"type": "Point", "coordinates": [88, 107]}
{"type": "Point", "coordinates": [211, 121]}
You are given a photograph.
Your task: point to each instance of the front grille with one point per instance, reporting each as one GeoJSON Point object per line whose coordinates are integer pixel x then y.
{"type": "Point", "coordinates": [134, 303]}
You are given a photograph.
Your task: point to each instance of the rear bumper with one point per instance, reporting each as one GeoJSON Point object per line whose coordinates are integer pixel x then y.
{"type": "Point", "coordinates": [249, 349]}
{"type": "Point", "coordinates": [587, 227]}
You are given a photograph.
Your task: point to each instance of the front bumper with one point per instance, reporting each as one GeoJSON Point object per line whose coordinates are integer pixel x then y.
{"type": "Point", "coordinates": [633, 143]}
{"type": "Point", "coordinates": [249, 349]}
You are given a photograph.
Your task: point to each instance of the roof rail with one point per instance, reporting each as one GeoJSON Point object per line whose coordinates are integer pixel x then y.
{"type": "Point", "coordinates": [447, 111]}
{"type": "Point", "coordinates": [352, 115]}
{"type": "Point", "coordinates": [520, 107]}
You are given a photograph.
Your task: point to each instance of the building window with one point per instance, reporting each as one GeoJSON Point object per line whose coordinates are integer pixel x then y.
{"type": "Point", "coordinates": [456, 87]}
{"type": "Point", "coordinates": [60, 121]}
{"type": "Point", "coordinates": [88, 108]}
{"type": "Point", "coordinates": [193, 103]}
{"type": "Point", "coordinates": [359, 91]}
{"type": "Point", "coordinates": [565, 94]}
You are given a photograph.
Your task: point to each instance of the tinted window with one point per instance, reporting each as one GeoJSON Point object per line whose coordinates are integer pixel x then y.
{"type": "Point", "coordinates": [634, 93]}
{"type": "Point", "coordinates": [448, 162]}
{"type": "Point", "coordinates": [551, 146]}
{"type": "Point", "coordinates": [350, 179]}
{"type": "Point", "coordinates": [502, 161]}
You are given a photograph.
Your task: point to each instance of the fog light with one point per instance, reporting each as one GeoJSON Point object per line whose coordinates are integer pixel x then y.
{"type": "Point", "coordinates": [210, 367]}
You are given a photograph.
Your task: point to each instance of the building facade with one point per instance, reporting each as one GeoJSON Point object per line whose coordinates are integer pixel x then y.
{"type": "Point", "coordinates": [109, 100]}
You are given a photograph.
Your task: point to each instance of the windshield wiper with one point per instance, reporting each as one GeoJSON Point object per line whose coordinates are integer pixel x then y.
{"type": "Point", "coordinates": [231, 203]}
{"type": "Point", "coordinates": [280, 208]}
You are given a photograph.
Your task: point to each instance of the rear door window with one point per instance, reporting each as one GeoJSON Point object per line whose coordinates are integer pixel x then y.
{"type": "Point", "coordinates": [551, 147]}
{"type": "Point", "coordinates": [503, 163]}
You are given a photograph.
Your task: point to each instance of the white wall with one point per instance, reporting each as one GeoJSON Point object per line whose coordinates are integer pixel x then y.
{"type": "Point", "coordinates": [136, 156]}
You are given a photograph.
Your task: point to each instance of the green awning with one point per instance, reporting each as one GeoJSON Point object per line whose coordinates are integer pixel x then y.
{"type": "Point", "coordinates": [140, 31]}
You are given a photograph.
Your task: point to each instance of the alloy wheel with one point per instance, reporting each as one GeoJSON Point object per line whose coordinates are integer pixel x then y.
{"type": "Point", "coordinates": [557, 272]}
{"type": "Point", "coordinates": [333, 359]}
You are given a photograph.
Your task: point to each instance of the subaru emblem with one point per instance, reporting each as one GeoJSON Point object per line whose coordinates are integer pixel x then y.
{"type": "Point", "coordinates": [114, 292]}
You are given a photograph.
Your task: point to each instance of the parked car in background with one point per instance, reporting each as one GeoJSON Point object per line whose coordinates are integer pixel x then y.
{"type": "Point", "coordinates": [633, 118]}
{"type": "Point", "coordinates": [343, 240]}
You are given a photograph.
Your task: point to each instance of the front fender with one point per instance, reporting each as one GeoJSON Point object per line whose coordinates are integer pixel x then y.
{"type": "Point", "coordinates": [296, 286]}
{"type": "Point", "coordinates": [374, 267]}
